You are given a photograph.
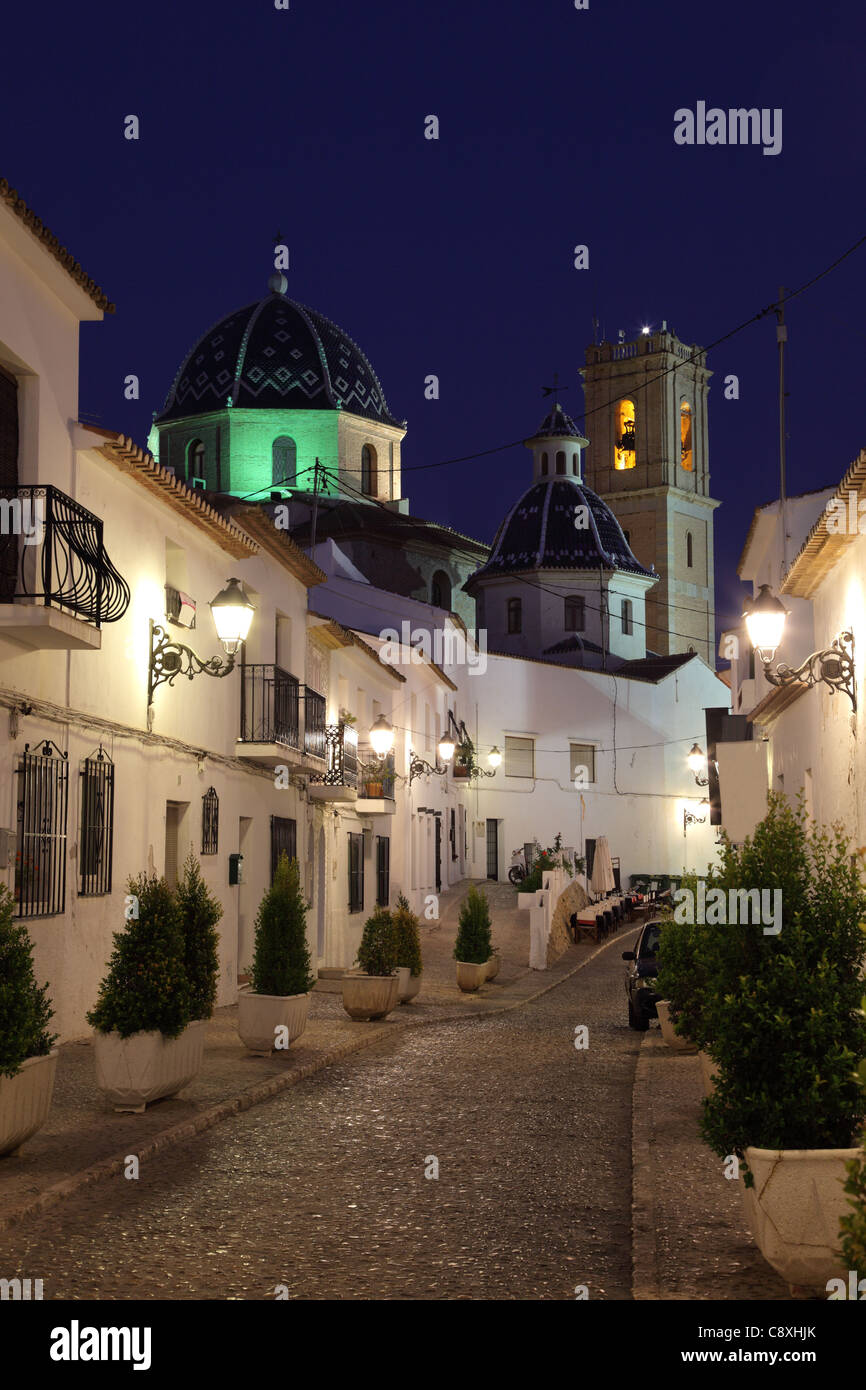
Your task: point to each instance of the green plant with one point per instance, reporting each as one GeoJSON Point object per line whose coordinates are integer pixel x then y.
{"type": "Point", "coordinates": [852, 1230]}
{"type": "Point", "coordinates": [199, 911]}
{"type": "Point", "coordinates": [25, 1009]}
{"type": "Point", "coordinates": [281, 960]}
{"type": "Point", "coordinates": [473, 934]}
{"type": "Point", "coordinates": [534, 879]}
{"type": "Point", "coordinates": [406, 926]}
{"type": "Point", "coordinates": [685, 971]}
{"type": "Point", "coordinates": [781, 1011]}
{"type": "Point", "coordinates": [377, 953]}
{"type": "Point", "coordinates": [146, 987]}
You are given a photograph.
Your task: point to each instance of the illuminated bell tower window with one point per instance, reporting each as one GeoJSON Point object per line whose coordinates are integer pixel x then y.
{"type": "Point", "coordinates": [624, 435]}
{"type": "Point", "coordinates": [195, 459]}
{"type": "Point", "coordinates": [686, 453]}
{"type": "Point", "coordinates": [368, 470]}
{"type": "Point", "coordinates": [283, 461]}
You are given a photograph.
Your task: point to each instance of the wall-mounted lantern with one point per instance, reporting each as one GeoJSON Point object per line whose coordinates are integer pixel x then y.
{"type": "Point", "coordinates": [232, 615]}
{"type": "Point", "coordinates": [697, 761]}
{"type": "Point", "coordinates": [834, 666]}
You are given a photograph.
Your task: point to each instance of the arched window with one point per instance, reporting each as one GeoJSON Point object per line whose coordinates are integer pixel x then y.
{"type": "Point", "coordinates": [283, 462]}
{"type": "Point", "coordinates": [544, 464]}
{"type": "Point", "coordinates": [368, 471]}
{"type": "Point", "coordinates": [686, 453]}
{"type": "Point", "coordinates": [195, 459]}
{"type": "Point", "coordinates": [515, 615]}
{"type": "Point", "coordinates": [575, 460]}
{"type": "Point", "coordinates": [689, 549]}
{"type": "Point", "coordinates": [440, 590]}
{"type": "Point", "coordinates": [624, 437]}
{"type": "Point", "coordinates": [560, 460]}
{"type": "Point", "coordinates": [627, 628]}
{"type": "Point", "coordinates": [575, 613]}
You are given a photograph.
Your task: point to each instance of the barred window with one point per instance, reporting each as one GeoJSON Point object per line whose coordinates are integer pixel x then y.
{"type": "Point", "coordinates": [519, 757]}
{"type": "Point", "coordinates": [96, 835]}
{"type": "Point", "coordinates": [284, 840]}
{"type": "Point", "coordinates": [356, 872]}
{"type": "Point", "coordinates": [40, 859]}
{"type": "Point", "coordinates": [210, 822]}
{"type": "Point", "coordinates": [383, 870]}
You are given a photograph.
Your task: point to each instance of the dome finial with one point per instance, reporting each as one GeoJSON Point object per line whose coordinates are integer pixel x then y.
{"type": "Point", "coordinates": [277, 283]}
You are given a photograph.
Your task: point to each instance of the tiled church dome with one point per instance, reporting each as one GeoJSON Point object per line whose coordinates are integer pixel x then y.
{"type": "Point", "coordinates": [276, 354]}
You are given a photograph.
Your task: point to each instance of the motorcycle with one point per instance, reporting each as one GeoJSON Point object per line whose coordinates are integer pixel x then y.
{"type": "Point", "coordinates": [517, 872]}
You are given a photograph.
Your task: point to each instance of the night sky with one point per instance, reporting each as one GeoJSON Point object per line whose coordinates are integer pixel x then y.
{"type": "Point", "coordinates": [456, 257]}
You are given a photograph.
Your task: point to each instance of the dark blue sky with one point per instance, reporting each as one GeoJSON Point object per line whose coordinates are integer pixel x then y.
{"type": "Point", "coordinates": [455, 257]}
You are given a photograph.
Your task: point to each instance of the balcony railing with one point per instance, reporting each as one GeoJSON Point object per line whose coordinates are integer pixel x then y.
{"type": "Point", "coordinates": [374, 773]}
{"type": "Point", "coordinates": [270, 700]}
{"type": "Point", "coordinates": [341, 747]}
{"type": "Point", "coordinates": [314, 724]}
{"type": "Point", "coordinates": [51, 552]}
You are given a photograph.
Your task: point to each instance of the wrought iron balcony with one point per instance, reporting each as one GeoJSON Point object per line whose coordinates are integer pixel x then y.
{"type": "Point", "coordinates": [340, 781]}
{"type": "Point", "coordinates": [314, 724]}
{"type": "Point", "coordinates": [270, 699]}
{"type": "Point", "coordinates": [52, 555]}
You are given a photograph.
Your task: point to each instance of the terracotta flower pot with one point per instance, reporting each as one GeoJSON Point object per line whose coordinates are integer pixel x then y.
{"type": "Point", "coordinates": [134, 1071]}
{"type": "Point", "coordinates": [368, 997]}
{"type": "Point", "coordinates": [25, 1100]}
{"type": "Point", "coordinates": [471, 976]}
{"type": "Point", "coordinates": [261, 1015]}
{"type": "Point", "coordinates": [672, 1039]}
{"type": "Point", "coordinates": [794, 1211]}
{"type": "Point", "coordinates": [408, 984]}
{"type": "Point", "coordinates": [374, 790]}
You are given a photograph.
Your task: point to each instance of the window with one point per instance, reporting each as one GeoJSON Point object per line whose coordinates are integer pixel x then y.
{"type": "Point", "coordinates": [686, 453]}
{"type": "Point", "coordinates": [575, 613]}
{"type": "Point", "coordinates": [284, 462]}
{"type": "Point", "coordinates": [575, 461]}
{"type": "Point", "coordinates": [368, 471]}
{"type": "Point", "coordinates": [356, 872]}
{"type": "Point", "coordinates": [440, 591]}
{"type": "Point", "coordinates": [689, 552]}
{"type": "Point", "coordinates": [515, 615]}
{"type": "Point", "coordinates": [210, 822]}
{"type": "Point", "coordinates": [284, 840]}
{"type": "Point", "coordinates": [519, 757]}
{"type": "Point", "coordinates": [627, 627]}
{"type": "Point", "coordinates": [582, 763]}
{"type": "Point", "coordinates": [625, 441]}
{"type": "Point", "coordinates": [544, 464]}
{"type": "Point", "coordinates": [383, 870]}
{"type": "Point", "coordinates": [8, 478]}
{"type": "Point", "coordinates": [195, 459]}
{"type": "Point", "coordinates": [560, 460]}
{"type": "Point", "coordinates": [97, 824]}
{"type": "Point", "coordinates": [40, 859]}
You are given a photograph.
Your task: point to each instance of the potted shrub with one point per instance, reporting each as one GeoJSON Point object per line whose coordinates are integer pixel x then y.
{"type": "Point", "coordinates": [272, 1010]}
{"type": "Point", "coordinates": [406, 927]}
{"type": "Point", "coordinates": [373, 993]}
{"type": "Point", "coordinates": [376, 778]}
{"type": "Point", "coordinates": [28, 1063]}
{"type": "Point", "coordinates": [146, 1047]}
{"type": "Point", "coordinates": [200, 912]}
{"type": "Point", "coordinates": [472, 947]}
{"type": "Point", "coordinates": [785, 1030]}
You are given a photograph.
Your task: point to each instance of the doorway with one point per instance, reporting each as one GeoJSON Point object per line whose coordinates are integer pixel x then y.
{"type": "Point", "coordinates": [175, 811]}
{"type": "Point", "coordinates": [438, 822]}
{"type": "Point", "coordinates": [245, 925]}
{"type": "Point", "coordinates": [320, 896]}
{"type": "Point", "coordinates": [493, 849]}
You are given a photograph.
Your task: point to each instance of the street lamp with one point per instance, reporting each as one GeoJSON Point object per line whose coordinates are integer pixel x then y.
{"type": "Point", "coordinates": [446, 747]}
{"type": "Point", "coordinates": [382, 737]}
{"type": "Point", "coordinates": [494, 757]}
{"type": "Point", "coordinates": [697, 761]}
{"type": "Point", "coordinates": [833, 667]}
{"type": "Point", "coordinates": [232, 615]}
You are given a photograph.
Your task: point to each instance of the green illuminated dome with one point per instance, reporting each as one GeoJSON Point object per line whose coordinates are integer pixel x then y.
{"type": "Point", "coordinates": [276, 354]}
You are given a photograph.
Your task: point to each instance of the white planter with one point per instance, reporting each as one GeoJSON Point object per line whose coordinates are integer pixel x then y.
{"type": "Point", "coordinates": [368, 997]}
{"type": "Point", "coordinates": [25, 1100]}
{"type": "Point", "coordinates": [493, 967]}
{"type": "Point", "coordinates": [794, 1211]}
{"type": "Point", "coordinates": [261, 1015]}
{"type": "Point", "coordinates": [471, 976]}
{"type": "Point", "coordinates": [408, 984]}
{"type": "Point", "coordinates": [672, 1039]}
{"type": "Point", "coordinates": [145, 1067]}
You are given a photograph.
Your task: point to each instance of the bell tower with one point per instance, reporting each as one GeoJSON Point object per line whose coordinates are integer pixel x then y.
{"type": "Point", "coordinates": [646, 417]}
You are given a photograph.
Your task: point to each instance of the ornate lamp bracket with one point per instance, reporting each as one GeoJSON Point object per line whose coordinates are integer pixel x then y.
{"type": "Point", "coordinates": [833, 667]}
{"type": "Point", "coordinates": [170, 659]}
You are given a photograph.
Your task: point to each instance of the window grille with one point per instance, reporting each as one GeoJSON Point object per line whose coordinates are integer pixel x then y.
{"type": "Point", "coordinates": [210, 822]}
{"type": "Point", "coordinates": [40, 860]}
{"type": "Point", "coordinates": [96, 835]}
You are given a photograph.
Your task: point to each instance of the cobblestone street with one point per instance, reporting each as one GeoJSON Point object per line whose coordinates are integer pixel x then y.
{"type": "Point", "coordinates": [323, 1190]}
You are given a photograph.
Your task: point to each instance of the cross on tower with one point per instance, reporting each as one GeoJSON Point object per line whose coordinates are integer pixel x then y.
{"type": "Point", "coordinates": [554, 390]}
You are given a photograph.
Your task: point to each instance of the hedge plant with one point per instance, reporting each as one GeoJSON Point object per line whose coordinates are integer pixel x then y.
{"type": "Point", "coordinates": [25, 1009]}
{"type": "Point", "coordinates": [146, 987]}
{"type": "Point", "coordinates": [781, 1013]}
{"type": "Point", "coordinates": [853, 1226]}
{"type": "Point", "coordinates": [200, 911]}
{"type": "Point", "coordinates": [685, 970]}
{"type": "Point", "coordinates": [473, 944]}
{"type": "Point", "coordinates": [377, 953]}
{"type": "Point", "coordinates": [281, 960]}
{"type": "Point", "coordinates": [406, 926]}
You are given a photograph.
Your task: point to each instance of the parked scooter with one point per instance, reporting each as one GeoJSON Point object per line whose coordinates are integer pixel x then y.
{"type": "Point", "coordinates": [517, 872]}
